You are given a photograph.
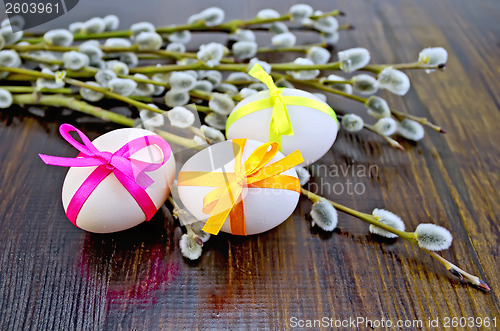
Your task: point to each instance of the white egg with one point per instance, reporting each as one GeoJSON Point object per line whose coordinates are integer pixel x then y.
{"type": "Point", "coordinates": [314, 130]}
{"type": "Point", "coordinates": [264, 208]}
{"type": "Point", "coordinates": [110, 207]}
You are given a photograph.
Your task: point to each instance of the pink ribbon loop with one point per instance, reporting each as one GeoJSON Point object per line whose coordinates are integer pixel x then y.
{"type": "Point", "coordinates": [131, 173]}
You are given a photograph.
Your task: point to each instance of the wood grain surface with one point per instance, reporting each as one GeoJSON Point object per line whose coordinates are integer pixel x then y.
{"type": "Point", "coordinates": [54, 276]}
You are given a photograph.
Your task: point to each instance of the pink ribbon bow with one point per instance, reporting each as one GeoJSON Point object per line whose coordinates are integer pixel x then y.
{"type": "Point", "coordinates": [131, 173]}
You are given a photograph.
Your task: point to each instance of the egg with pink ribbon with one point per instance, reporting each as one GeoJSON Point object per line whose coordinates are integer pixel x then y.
{"type": "Point", "coordinates": [295, 119]}
{"type": "Point", "coordinates": [118, 180]}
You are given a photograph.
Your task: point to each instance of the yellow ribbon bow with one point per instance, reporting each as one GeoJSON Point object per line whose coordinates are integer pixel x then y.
{"type": "Point", "coordinates": [226, 200]}
{"type": "Point", "coordinates": [280, 121]}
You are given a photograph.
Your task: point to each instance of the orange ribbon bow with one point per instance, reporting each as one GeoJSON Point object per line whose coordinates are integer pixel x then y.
{"type": "Point", "coordinates": [226, 200]}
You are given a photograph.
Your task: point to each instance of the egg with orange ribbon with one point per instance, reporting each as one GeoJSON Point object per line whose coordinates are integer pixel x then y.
{"type": "Point", "coordinates": [240, 186]}
{"type": "Point", "coordinates": [295, 119]}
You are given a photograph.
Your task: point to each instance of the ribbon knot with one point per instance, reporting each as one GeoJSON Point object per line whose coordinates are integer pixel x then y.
{"type": "Point", "coordinates": [226, 199]}
{"type": "Point", "coordinates": [280, 121]}
{"type": "Point", "coordinates": [131, 173]}
{"type": "Point", "coordinates": [106, 157]}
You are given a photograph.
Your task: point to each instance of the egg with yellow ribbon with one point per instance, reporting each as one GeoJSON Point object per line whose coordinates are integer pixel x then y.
{"type": "Point", "coordinates": [295, 119]}
{"type": "Point", "coordinates": [240, 186]}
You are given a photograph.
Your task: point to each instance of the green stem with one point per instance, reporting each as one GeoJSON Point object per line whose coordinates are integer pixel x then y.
{"type": "Point", "coordinates": [83, 107]}
{"type": "Point", "coordinates": [31, 89]}
{"type": "Point", "coordinates": [74, 82]}
{"type": "Point", "coordinates": [367, 218]}
{"type": "Point", "coordinates": [408, 236]}
{"type": "Point", "coordinates": [71, 103]}
{"type": "Point", "coordinates": [377, 68]}
{"type": "Point", "coordinates": [399, 115]}
{"type": "Point", "coordinates": [227, 27]}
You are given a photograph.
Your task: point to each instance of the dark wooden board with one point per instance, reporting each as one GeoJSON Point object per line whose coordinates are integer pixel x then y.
{"type": "Point", "coordinates": [54, 276]}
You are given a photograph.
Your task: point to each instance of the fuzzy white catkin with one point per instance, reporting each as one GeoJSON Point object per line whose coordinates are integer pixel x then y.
{"type": "Point", "coordinates": [58, 37]}
{"type": "Point", "coordinates": [388, 218]}
{"type": "Point", "coordinates": [174, 98]}
{"type": "Point", "coordinates": [111, 22]}
{"type": "Point", "coordinates": [149, 41]}
{"type": "Point", "coordinates": [278, 27]}
{"type": "Point", "coordinates": [244, 49]}
{"type": "Point", "coordinates": [239, 76]}
{"type": "Point", "coordinates": [16, 22]}
{"type": "Point", "coordinates": [433, 237]}
{"type": "Point", "coordinates": [48, 56]}
{"type": "Point", "coordinates": [180, 117]}
{"type": "Point", "coordinates": [137, 28]}
{"type": "Point", "coordinates": [364, 84]}
{"type": "Point", "coordinates": [203, 85]}
{"type": "Point", "coordinates": [200, 141]}
{"type": "Point", "coordinates": [320, 96]}
{"type": "Point", "coordinates": [242, 35]}
{"type": "Point", "coordinates": [377, 107]}
{"type": "Point", "coordinates": [118, 67]}
{"type": "Point", "coordinates": [216, 120]}
{"type": "Point", "coordinates": [346, 88]}
{"type": "Point", "coordinates": [330, 38]}
{"type": "Point", "coordinates": [227, 88]}
{"type": "Point", "coordinates": [143, 89]}
{"type": "Point", "coordinates": [411, 130]}
{"type": "Point", "coordinates": [182, 37]}
{"type": "Point", "coordinates": [318, 55]}
{"type": "Point", "coordinates": [284, 40]}
{"type": "Point", "coordinates": [92, 51]}
{"type": "Point", "coordinates": [221, 103]}
{"type": "Point", "coordinates": [212, 16]}
{"type": "Point", "coordinates": [130, 59]}
{"type": "Point", "coordinates": [352, 122]}
{"type": "Point", "coordinates": [176, 47]}
{"type": "Point", "coordinates": [304, 74]}
{"type": "Point", "coordinates": [49, 83]}
{"type": "Point", "coordinates": [197, 228]}
{"type": "Point", "coordinates": [386, 126]}
{"type": "Point", "coordinates": [433, 56]}
{"type": "Point", "coordinates": [246, 92]}
{"type": "Point", "coordinates": [327, 24]}
{"type": "Point", "coordinates": [353, 59]}
{"type": "Point", "coordinates": [91, 95]}
{"type": "Point", "coordinates": [301, 11]}
{"type": "Point", "coordinates": [117, 42]}
{"type": "Point", "coordinates": [211, 53]}
{"type": "Point", "coordinates": [75, 60]}
{"type": "Point", "coordinates": [258, 86]}
{"type": "Point", "coordinates": [181, 81]}
{"type": "Point", "coordinates": [10, 59]}
{"type": "Point", "coordinates": [150, 119]}
{"type": "Point", "coordinates": [324, 215]}
{"type": "Point", "coordinates": [122, 86]}
{"type": "Point", "coordinates": [189, 248]}
{"type": "Point", "coordinates": [93, 25]}
{"type": "Point", "coordinates": [104, 76]}
{"type": "Point", "coordinates": [11, 37]}
{"type": "Point", "coordinates": [303, 175]}
{"type": "Point", "coordinates": [213, 76]}
{"type": "Point", "coordinates": [284, 83]}
{"type": "Point", "coordinates": [394, 81]}
{"type": "Point", "coordinates": [212, 133]}
{"type": "Point", "coordinates": [266, 66]}
{"type": "Point", "coordinates": [76, 27]}
{"type": "Point", "coordinates": [267, 14]}
{"type": "Point", "coordinates": [5, 98]}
